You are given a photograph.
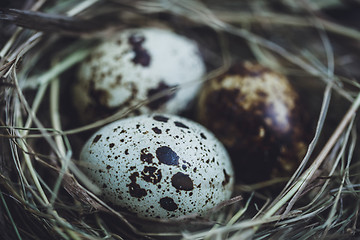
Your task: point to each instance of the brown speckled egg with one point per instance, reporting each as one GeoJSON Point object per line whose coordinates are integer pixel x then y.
{"type": "Point", "coordinates": [158, 166]}
{"type": "Point", "coordinates": [255, 113]}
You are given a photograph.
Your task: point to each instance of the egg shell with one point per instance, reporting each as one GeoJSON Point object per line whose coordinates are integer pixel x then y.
{"type": "Point", "coordinates": [158, 166]}
{"type": "Point", "coordinates": [255, 113]}
{"type": "Point", "coordinates": [135, 65]}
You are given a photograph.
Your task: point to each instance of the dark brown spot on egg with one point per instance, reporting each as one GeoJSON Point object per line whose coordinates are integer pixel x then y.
{"type": "Point", "coordinates": [168, 204]}
{"type": "Point", "coordinates": [167, 156]}
{"type": "Point", "coordinates": [96, 139]}
{"type": "Point", "coordinates": [108, 167]}
{"type": "Point", "coordinates": [134, 189]}
{"type": "Point", "coordinates": [226, 178]}
{"type": "Point", "coordinates": [160, 118]}
{"type": "Point", "coordinates": [99, 107]}
{"type": "Point", "coordinates": [99, 96]}
{"type": "Point", "coordinates": [118, 80]}
{"type": "Point", "coordinates": [157, 130]}
{"type": "Point", "coordinates": [203, 135]}
{"type": "Point", "coordinates": [98, 54]}
{"type": "Point", "coordinates": [145, 156]}
{"type": "Point", "coordinates": [127, 152]}
{"type": "Point", "coordinates": [160, 101]}
{"type": "Point", "coordinates": [151, 174]}
{"type": "Point", "coordinates": [111, 145]}
{"type": "Point", "coordinates": [261, 93]}
{"type": "Point", "coordinates": [181, 125]}
{"type": "Point", "coordinates": [182, 181]}
{"type": "Point", "coordinates": [142, 56]}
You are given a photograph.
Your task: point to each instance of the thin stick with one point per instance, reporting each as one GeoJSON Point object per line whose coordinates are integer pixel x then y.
{"type": "Point", "coordinates": [56, 123]}
{"type": "Point", "coordinates": [10, 216]}
{"type": "Point", "coordinates": [284, 19]}
{"type": "Point", "coordinates": [81, 7]}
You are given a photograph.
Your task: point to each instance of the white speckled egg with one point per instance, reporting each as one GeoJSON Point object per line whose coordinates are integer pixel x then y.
{"type": "Point", "coordinates": [135, 65]}
{"type": "Point", "coordinates": [158, 166]}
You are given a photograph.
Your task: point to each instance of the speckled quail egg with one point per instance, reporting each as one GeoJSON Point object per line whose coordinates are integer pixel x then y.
{"type": "Point", "coordinates": [134, 66]}
{"type": "Point", "coordinates": [158, 166]}
{"type": "Point", "coordinates": [255, 113]}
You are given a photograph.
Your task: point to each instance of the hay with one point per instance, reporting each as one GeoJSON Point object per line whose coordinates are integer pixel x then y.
{"type": "Point", "coordinates": [43, 194]}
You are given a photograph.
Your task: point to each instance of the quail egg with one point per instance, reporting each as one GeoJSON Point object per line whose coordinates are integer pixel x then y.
{"type": "Point", "coordinates": [137, 65]}
{"type": "Point", "coordinates": [255, 113]}
{"type": "Point", "coordinates": [158, 166]}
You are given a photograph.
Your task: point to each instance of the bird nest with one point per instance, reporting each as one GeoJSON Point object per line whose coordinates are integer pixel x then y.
{"type": "Point", "coordinates": [44, 195]}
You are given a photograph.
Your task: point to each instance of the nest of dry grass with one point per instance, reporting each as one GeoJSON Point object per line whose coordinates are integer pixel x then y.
{"type": "Point", "coordinates": [43, 195]}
